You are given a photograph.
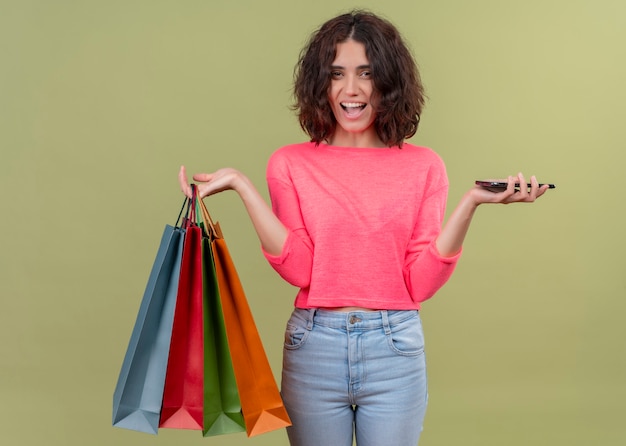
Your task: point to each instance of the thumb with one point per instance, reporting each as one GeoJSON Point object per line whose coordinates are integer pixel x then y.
{"type": "Point", "coordinates": [202, 177]}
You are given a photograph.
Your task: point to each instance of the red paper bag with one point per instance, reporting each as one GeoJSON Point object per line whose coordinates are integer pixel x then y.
{"type": "Point", "coordinates": [183, 394]}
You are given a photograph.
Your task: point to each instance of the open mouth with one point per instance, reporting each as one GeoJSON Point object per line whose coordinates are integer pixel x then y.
{"type": "Point", "coordinates": [353, 108]}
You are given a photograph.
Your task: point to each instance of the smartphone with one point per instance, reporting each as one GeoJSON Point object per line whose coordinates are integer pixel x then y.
{"type": "Point", "coordinates": [501, 185]}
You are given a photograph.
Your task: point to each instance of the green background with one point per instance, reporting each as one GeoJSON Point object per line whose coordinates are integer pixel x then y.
{"type": "Point", "coordinates": [102, 101]}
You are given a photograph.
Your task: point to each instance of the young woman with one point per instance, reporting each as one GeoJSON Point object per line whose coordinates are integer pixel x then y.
{"type": "Point", "coordinates": [356, 224]}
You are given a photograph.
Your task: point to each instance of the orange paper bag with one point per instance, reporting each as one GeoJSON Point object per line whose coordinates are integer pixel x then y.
{"type": "Point", "coordinates": [261, 403]}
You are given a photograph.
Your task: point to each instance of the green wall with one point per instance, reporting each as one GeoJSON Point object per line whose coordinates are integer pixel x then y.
{"type": "Point", "coordinates": [102, 101]}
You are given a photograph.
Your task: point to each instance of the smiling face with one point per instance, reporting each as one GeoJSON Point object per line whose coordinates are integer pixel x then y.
{"type": "Point", "coordinates": [352, 97]}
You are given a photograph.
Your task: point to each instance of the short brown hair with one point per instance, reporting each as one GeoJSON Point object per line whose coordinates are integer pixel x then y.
{"type": "Point", "coordinates": [394, 73]}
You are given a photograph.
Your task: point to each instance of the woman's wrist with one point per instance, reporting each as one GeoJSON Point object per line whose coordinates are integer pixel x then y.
{"type": "Point", "coordinates": [470, 201]}
{"type": "Point", "coordinates": [242, 185]}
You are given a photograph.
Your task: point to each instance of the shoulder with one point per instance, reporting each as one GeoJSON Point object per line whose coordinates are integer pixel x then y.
{"type": "Point", "coordinates": [288, 155]}
{"type": "Point", "coordinates": [292, 151]}
{"type": "Point", "coordinates": [429, 168]}
{"type": "Point", "coordinates": [426, 158]}
{"type": "Point", "coordinates": [422, 152]}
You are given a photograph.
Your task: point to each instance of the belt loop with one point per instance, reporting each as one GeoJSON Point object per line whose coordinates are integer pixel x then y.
{"type": "Point", "coordinates": [385, 317]}
{"type": "Point", "coordinates": [310, 317]}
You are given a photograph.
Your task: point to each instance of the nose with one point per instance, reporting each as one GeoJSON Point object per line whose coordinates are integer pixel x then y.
{"type": "Point", "coordinates": [352, 87]}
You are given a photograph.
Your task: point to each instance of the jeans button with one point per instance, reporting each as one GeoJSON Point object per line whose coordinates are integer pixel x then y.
{"type": "Point", "coordinates": [354, 319]}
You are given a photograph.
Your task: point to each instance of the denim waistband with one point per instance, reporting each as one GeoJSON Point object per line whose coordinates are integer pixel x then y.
{"type": "Point", "coordinates": [364, 320]}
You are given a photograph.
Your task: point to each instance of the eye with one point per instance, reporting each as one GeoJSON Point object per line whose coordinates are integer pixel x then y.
{"type": "Point", "coordinates": [335, 74]}
{"type": "Point", "coordinates": [365, 74]}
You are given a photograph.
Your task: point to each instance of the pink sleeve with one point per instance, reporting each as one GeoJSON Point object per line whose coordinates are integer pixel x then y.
{"type": "Point", "coordinates": [428, 273]}
{"type": "Point", "coordinates": [425, 270]}
{"type": "Point", "coordinates": [295, 262]}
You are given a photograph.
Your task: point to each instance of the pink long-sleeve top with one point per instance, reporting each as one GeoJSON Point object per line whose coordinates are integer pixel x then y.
{"type": "Point", "coordinates": [362, 224]}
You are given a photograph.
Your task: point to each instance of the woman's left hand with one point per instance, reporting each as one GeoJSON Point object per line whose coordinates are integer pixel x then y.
{"type": "Point", "coordinates": [512, 194]}
{"type": "Point", "coordinates": [453, 234]}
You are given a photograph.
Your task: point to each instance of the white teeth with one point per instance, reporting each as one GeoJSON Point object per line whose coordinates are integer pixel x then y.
{"type": "Point", "coordinates": [352, 104]}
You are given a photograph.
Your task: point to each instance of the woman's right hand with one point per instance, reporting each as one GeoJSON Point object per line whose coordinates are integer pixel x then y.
{"type": "Point", "coordinates": [272, 233]}
{"type": "Point", "coordinates": [211, 183]}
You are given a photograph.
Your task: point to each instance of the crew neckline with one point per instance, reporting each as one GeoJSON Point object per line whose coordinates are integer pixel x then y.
{"type": "Point", "coordinates": [352, 148]}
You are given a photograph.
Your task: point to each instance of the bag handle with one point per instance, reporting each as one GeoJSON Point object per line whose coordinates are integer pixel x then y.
{"type": "Point", "coordinates": [190, 214]}
{"type": "Point", "coordinates": [213, 229]}
{"type": "Point", "coordinates": [180, 214]}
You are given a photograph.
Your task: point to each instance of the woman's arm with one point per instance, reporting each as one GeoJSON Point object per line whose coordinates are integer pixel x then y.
{"type": "Point", "coordinates": [271, 232]}
{"type": "Point", "coordinates": [453, 234]}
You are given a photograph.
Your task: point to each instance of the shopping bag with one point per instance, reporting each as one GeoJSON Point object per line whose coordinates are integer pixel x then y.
{"type": "Point", "coordinates": [262, 406]}
{"type": "Point", "coordinates": [183, 390]}
{"type": "Point", "coordinates": [139, 390]}
{"type": "Point", "coordinates": [222, 407]}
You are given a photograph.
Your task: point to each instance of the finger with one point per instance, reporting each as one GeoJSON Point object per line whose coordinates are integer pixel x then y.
{"type": "Point", "coordinates": [534, 187]}
{"type": "Point", "coordinates": [182, 180]}
{"type": "Point", "coordinates": [202, 177]}
{"type": "Point", "coordinates": [510, 188]}
{"type": "Point", "coordinates": [523, 188]}
{"type": "Point", "coordinates": [542, 190]}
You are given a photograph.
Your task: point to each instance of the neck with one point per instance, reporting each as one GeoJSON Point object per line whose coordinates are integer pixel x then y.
{"type": "Point", "coordinates": [367, 139]}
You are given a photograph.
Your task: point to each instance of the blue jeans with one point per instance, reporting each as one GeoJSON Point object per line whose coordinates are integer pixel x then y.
{"type": "Point", "coordinates": [361, 373]}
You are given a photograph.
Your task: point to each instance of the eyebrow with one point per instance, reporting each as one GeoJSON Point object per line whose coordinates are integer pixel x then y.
{"type": "Point", "coordinates": [360, 67]}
